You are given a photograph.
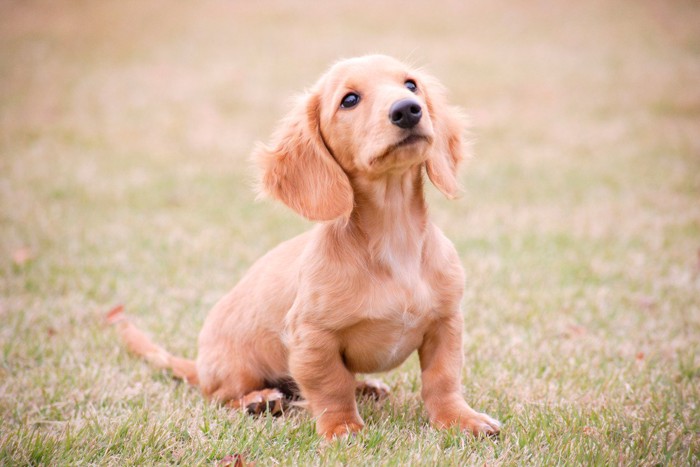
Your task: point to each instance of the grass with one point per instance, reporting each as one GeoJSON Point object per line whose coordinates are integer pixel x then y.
{"type": "Point", "coordinates": [125, 129]}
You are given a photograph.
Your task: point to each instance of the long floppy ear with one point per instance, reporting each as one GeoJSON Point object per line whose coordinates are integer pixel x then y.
{"type": "Point", "coordinates": [298, 170]}
{"type": "Point", "coordinates": [447, 152]}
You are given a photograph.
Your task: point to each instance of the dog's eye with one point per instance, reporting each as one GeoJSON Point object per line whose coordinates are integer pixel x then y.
{"type": "Point", "coordinates": [411, 85]}
{"type": "Point", "coordinates": [350, 100]}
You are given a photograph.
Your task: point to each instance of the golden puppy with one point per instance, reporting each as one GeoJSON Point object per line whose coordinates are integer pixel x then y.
{"type": "Point", "coordinates": [372, 282]}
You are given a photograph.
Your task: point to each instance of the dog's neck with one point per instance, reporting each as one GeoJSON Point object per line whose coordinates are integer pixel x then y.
{"type": "Point", "coordinates": [391, 216]}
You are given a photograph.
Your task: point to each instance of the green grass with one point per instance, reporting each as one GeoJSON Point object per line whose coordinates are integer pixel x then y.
{"type": "Point", "coordinates": [125, 130]}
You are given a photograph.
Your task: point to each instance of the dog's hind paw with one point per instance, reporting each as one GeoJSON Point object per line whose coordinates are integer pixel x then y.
{"type": "Point", "coordinates": [372, 388]}
{"type": "Point", "coordinates": [258, 402]}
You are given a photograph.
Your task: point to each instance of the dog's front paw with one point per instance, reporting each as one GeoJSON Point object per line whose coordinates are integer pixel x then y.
{"type": "Point", "coordinates": [480, 424]}
{"type": "Point", "coordinates": [332, 426]}
{"type": "Point", "coordinates": [469, 421]}
{"type": "Point", "coordinates": [341, 430]}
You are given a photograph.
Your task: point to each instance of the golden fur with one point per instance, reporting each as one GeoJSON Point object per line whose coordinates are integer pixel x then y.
{"type": "Point", "coordinates": [367, 286]}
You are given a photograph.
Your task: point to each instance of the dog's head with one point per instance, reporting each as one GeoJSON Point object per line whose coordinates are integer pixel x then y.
{"type": "Point", "coordinates": [366, 117]}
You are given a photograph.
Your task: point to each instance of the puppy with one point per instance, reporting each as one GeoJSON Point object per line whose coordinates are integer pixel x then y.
{"type": "Point", "coordinates": [373, 281]}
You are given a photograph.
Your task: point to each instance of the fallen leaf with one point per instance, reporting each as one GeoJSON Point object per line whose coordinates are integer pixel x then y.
{"type": "Point", "coordinates": [574, 330]}
{"type": "Point", "coordinates": [233, 460]}
{"type": "Point", "coordinates": [22, 255]}
{"type": "Point", "coordinates": [115, 314]}
{"type": "Point", "coordinates": [646, 302]}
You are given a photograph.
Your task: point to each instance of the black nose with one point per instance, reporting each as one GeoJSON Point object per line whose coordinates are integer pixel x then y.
{"type": "Point", "coordinates": [405, 113]}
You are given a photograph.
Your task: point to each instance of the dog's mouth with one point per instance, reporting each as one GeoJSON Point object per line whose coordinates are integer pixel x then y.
{"type": "Point", "coordinates": [409, 140]}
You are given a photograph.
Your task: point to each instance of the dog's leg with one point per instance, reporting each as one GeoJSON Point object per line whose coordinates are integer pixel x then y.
{"type": "Point", "coordinates": [441, 366]}
{"type": "Point", "coordinates": [328, 386]}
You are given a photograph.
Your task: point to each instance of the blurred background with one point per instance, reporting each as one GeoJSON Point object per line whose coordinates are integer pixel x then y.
{"type": "Point", "coordinates": [125, 132]}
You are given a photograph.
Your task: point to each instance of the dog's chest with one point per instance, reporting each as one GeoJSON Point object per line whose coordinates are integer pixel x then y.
{"type": "Point", "coordinates": [392, 327]}
{"type": "Point", "coordinates": [375, 346]}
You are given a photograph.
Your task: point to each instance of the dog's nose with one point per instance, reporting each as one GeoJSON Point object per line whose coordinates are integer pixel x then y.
{"type": "Point", "coordinates": [405, 113]}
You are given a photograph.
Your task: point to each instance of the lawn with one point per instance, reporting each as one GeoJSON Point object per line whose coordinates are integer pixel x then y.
{"type": "Point", "coordinates": [125, 132]}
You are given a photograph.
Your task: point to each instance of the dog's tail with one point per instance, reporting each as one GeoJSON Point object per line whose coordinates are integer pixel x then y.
{"type": "Point", "coordinates": [140, 344]}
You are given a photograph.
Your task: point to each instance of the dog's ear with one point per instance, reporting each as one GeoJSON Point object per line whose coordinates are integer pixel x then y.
{"type": "Point", "coordinates": [447, 152]}
{"type": "Point", "coordinates": [298, 169]}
